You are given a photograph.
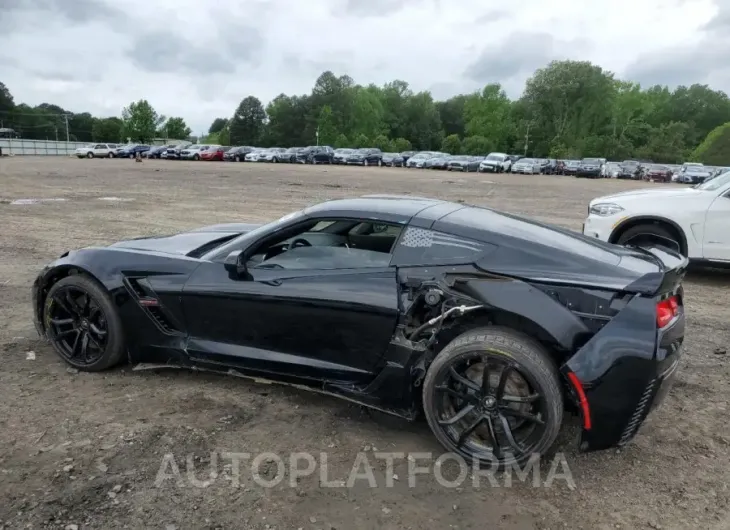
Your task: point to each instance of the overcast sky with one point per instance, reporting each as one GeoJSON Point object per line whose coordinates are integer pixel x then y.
{"type": "Point", "coordinates": [198, 59]}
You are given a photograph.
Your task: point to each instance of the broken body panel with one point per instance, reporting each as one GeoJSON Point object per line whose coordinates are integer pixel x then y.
{"type": "Point", "coordinates": [591, 304]}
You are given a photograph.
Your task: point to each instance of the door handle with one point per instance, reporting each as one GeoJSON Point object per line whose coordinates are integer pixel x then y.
{"type": "Point", "coordinates": [273, 283]}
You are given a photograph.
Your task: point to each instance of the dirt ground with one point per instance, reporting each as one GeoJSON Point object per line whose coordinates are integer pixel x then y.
{"type": "Point", "coordinates": [84, 450]}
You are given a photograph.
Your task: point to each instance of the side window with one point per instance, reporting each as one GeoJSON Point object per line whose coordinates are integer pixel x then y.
{"type": "Point", "coordinates": [330, 245]}
{"type": "Point", "coordinates": [419, 246]}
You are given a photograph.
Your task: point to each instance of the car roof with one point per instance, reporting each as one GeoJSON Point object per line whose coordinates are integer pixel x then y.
{"type": "Point", "coordinates": [397, 208]}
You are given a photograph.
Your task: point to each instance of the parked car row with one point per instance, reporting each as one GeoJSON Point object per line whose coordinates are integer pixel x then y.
{"type": "Point", "coordinates": [689, 172]}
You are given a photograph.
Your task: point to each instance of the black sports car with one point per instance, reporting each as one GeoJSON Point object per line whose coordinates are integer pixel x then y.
{"type": "Point", "coordinates": [489, 323]}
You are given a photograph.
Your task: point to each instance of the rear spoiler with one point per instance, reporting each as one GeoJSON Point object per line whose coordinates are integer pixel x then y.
{"type": "Point", "coordinates": [673, 265]}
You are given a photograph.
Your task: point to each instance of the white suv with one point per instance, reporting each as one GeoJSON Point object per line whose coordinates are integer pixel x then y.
{"type": "Point", "coordinates": [496, 163]}
{"type": "Point", "coordinates": [96, 150]}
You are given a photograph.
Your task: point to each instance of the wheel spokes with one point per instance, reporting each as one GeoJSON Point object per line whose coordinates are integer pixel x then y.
{"type": "Point", "coordinates": [458, 395]}
{"type": "Point", "coordinates": [61, 321]}
{"type": "Point", "coordinates": [463, 380]}
{"type": "Point", "coordinates": [485, 377]}
{"type": "Point", "coordinates": [509, 411]}
{"type": "Point", "coordinates": [496, 448]}
{"type": "Point", "coordinates": [469, 430]}
{"type": "Point", "coordinates": [503, 377]}
{"type": "Point", "coordinates": [508, 434]}
{"type": "Point", "coordinates": [458, 416]}
{"type": "Point", "coordinates": [521, 399]}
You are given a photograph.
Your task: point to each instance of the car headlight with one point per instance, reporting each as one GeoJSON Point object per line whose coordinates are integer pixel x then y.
{"type": "Point", "coordinates": [604, 209]}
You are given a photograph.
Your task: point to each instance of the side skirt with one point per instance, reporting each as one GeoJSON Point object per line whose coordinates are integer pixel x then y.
{"type": "Point", "coordinates": [365, 401]}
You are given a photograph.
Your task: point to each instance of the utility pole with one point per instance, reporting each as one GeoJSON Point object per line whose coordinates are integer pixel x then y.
{"type": "Point", "coordinates": [317, 133]}
{"type": "Point", "coordinates": [65, 117]}
{"type": "Point", "coordinates": [527, 137]}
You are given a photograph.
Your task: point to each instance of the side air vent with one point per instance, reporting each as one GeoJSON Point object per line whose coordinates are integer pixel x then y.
{"type": "Point", "coordinates": [148, 300]}
{"type": "Point", "coordinates": [134, 285]}
{"type": "Point", "coordinates": [161, 320]}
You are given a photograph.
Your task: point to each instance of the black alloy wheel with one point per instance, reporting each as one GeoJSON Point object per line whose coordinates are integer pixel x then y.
{"type": "Point", "coordinates": [82, 324]}
{"type": "Point", "coordinates": [493, 396]}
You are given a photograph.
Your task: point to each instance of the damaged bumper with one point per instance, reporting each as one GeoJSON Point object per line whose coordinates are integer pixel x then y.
{"type": "Point", "coordinates": [624, 372]}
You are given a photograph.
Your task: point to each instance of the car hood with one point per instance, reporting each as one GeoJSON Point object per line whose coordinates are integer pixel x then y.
{"type": "Point", "coordinates": [648, 193]}
{"type": "Point", "coordinates": [193, 243]}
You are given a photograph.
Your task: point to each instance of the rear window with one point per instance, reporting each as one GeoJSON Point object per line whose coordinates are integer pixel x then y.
{"type": "Point", "coordinates": [475, 219]}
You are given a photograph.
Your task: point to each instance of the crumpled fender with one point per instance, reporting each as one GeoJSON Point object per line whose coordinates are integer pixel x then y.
{"type": "Point", "coordinates": [520, 298]}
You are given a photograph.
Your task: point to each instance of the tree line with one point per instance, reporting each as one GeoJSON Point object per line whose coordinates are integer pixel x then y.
{"type": "Point", "coordinates": [139, 121]}
{"type": "Point", "coordinates": [569, 109]}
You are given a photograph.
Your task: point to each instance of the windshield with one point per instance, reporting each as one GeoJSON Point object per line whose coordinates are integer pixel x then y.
{"type": "Point", "coordinates": [495, 157]}
{"type": "Point", "coordinates": [715, 183]}
{"type": "Point", "coordinates": [245, 239]}
{"type": "Point", "coordinates": [526, 161]}
{"type": "Point", "coordinates": [591, 161]}
{"type": "Point", "coordinates": [421, 155]}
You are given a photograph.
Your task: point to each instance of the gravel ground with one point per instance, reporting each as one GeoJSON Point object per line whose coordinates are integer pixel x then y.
{"type": "Point", "coordinates": [84, 450]}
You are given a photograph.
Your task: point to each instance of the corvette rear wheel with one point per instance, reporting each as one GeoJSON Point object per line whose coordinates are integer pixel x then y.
{"type": "Point", "coordinates": [493, 396]}
{"type": "Point", "coordinates": [83, 325]}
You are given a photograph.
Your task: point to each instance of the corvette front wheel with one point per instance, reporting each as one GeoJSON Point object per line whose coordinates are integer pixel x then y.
{"type": "Point", "coordinates": [82, 324]}
{"type": "Point", "coordinates": [492, 396]}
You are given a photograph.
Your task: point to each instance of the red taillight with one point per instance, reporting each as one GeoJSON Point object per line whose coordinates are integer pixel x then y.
{"type": "Point", "coordinates": [666, 310]}
{"type": "Point", "coordinates": [582, 400]}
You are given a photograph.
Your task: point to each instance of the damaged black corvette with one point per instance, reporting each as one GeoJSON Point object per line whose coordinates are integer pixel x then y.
{"type": "Point", "coordinates": [489, 324]}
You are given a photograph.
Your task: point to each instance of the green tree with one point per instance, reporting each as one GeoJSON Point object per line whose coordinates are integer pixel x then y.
{"type": "Point", "coordinates": [326, 127]}
{"type": "Point", "coordinates": [218, 125]}
{"type": "Point", "coordinates": [423, 122]}
{"type": "Point", "coordinates": [288, 119]}
{"type": "Point", "coordinates": [451, 144]}
{"type": "Point", "coordinates": [342, 141]}
{"type": "Point", "coordinates": [368, 114]}
{"type": "Point", "coordinates": [567, 101]}
{"type": "Point", "coordinates": [362, 141]}
{"type": "Point", "coordinates": [140, 121]}
{"type": "Point", "coordinates": [247, 124]}
{"type": "Point", "coordinates": [452, 114]}
{"type": "Point", "coordinates": [81, 127]}
{"type": "Point", "coordinates": [477, 145]}
{"type": "Point", "coordinates": [175, 128]}
{"type": "Point", "coordinates": [715, 148]}
{"type": "Point", "coordinates": [6, 100]}
{"type": "Point", "coordinates": [401, 144]}
{"type": "Point", "coordinates": [383, 143]}
{"type": "Point", "coordinates": [107, 130]}
{"type": "Point", "coordinates": [667, 144]}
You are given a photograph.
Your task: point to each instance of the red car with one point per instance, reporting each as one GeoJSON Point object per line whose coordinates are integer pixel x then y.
{"type": "Point", "coordinates": [214, 152]}
{"type": "Point", "coordinates": [658, 174]}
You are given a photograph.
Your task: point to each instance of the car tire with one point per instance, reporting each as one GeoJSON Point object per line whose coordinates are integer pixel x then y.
{"type": "Point", "coordinates": [380, 163]}
{"type": "Point", "coordinates": [532, 377]}
{"type": "Point", "coordinates": [92, 298]}
{"type": "Point", "coordinates": [365, 162]}
{"type": "Point", "coordinates": [110, 155]}
{"type": "Point", "coordinates": [275, 160]}
{"type": "Point", "coordinates": [89, 155]}
{"type": "Point", "coordinates": [650, 232]}
{"type": "Point", "coordinates": [238, 158]}
{"type": "Point", "coordinates": [196, 157]}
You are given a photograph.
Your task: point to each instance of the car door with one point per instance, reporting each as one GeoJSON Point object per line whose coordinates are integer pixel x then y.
{"type": "Point", "coordinates": [716, 244]}
{"type": "Point", "coordinates": [318, 322]}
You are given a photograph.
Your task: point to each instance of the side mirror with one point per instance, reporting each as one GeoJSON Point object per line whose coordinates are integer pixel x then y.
{"type": "Point", "coordinates": [235, 263]}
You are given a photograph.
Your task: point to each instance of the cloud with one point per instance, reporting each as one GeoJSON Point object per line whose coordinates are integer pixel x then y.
{"type": "Point", "coordinates": [199, 60]}
{"type": "Point", "coordinates": [517, 58]}
{"type": "Point", "coordinates": [701, 58]}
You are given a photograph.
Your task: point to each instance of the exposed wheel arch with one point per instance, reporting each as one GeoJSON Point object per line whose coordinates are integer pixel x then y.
{"type": "Point", "coordinates": [58, 274]}
{"type": "Point", "coordinates": [663, 222]}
